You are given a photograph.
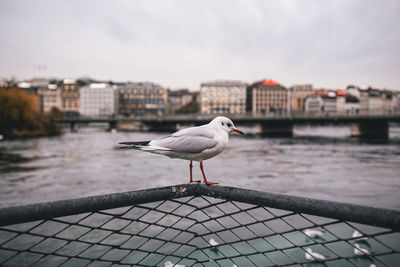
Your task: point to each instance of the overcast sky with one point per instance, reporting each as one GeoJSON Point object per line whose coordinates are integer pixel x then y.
{"type": "Point", "coordinates": [183, 43]}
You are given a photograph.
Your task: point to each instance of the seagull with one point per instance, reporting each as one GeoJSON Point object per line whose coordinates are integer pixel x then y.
{"type": "Point", "coordinates": [213, 244]}
{"type": "Point", "coordinates": [312, 256]}
{"type": "Point", "coordinates": [358, 234]}
{"type": "Point", "coordinates": [360, 238]}
{"type": "Point", "coordinates": [360, 251]}
{"type": "Point", "coordinates": [313, 233]}
{"type": "Point", "coordinates": [194, 144]}
{"type": "Point", "coordinates": [170, 264]}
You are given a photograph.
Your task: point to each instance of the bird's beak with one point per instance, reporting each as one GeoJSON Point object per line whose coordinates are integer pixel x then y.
{"type": "Point", "coordinates": [238, 131]}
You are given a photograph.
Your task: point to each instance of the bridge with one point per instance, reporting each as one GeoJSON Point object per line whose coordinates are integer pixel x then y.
{"type": "Point", "coordinates": [363, 124]}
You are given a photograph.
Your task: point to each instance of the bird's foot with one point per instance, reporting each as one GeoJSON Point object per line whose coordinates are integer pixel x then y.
{"type": "Point", "coordinates": [194, 181]}
{"type": "Point", "coordinates": [210, 183]}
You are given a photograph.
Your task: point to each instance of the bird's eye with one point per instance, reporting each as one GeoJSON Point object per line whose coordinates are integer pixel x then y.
{"type": "Point", "coordinates": [229, 125]}
{"type": "Point", "coordinates": [223, 124]}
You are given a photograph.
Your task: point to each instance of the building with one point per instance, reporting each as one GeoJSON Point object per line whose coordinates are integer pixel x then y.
{"type": "Point", "coordinates": [223, 97]}
{"type": "Point", "coordinates": [321, 102]}
{"type": "Point", "coordinates": [375, 101]}
{"type": "Point", "coordinates": [347, 103]}
{"type": "Point", "coordinates": [25, 86]}
{"type": "Point", "coordinates": [178, 99]}
{"type": "Point", "coordinates": [98, 100]}
{"type": "Point", "coordinates": [340, 101]}
{"type": "Point", "coordinates": [46, 92]}
{"type": "Point", "coordinates": [70, 97]}
{"type": "Point", "coordinates": [49, 97]}
{"type": "Point", "coordinates": [34, 85]}
{"type": "Point", "coordinates": [352, 104]}
{"type": "Point", "coordinates": [297, 96]}
{"type": "Point", "coordinates": [313, 104]}
{"type": "Point", "coordinates": [389, 101]}
{"type": "Point", "coordinates": [139, 99]}
{"type": "Point", "coordinates": [397, 101]}
{"type": "Point", "coordinates": [364, 99]}
{"type": "Point", "coordinates": [354, 91]}
{"type": "Point", "coordinates": [330, 103]}
{"type": "Point", "coordinates": [267, 97]}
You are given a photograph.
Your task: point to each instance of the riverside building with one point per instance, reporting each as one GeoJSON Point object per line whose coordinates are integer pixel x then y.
{"type": "Point", "coordinates": [140, 99]}
{"type": "Point", "coordinates": [347, 103]}
{"type": "Point", "coordinates": [371, 101]}
{"type": "Point", "coordinates": [223, 97]}
{"type": "Point", "coordinates": [389, 99]}
{"type": "Point", "coordinates": [70, 97]}
{"type": "Point", "coordinates": [178, 99]}
{"type": "Point", "coordinates": [98, 100]}
{"type": "Point", "coordinates": [297, 96]}
{"type": "Point", "coordinates": [48, 93]}
{"type": "Point", "coordinates": [321, 102]}
{"type": "Point", "coordinates": [49, 97]}
{"type": "Point", "coordinates": [267, 97]}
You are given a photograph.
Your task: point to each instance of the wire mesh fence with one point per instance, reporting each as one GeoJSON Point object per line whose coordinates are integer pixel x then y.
{"type": "Point", "coordinates": [198, 225]}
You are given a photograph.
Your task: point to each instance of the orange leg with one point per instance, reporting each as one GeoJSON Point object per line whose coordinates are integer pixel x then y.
{"type": "Point", "coordinates": [191, 178]}
{"type": "Point", "coordinates": [204, 175]}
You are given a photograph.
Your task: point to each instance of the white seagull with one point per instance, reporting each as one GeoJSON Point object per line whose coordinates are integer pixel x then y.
{"type": "Point", "coordinates": [212, 242]}
{"type": "Point", "coordinates": [194, 143]}
{"type": "Point", "coordinates": [170, 264]}
{"type": "Point", "coordinates": [360, 251]}
{"type": "Point", "coordinates": [313, 233]}
{"type": "Point", "coordinates": [358, 234]}
{"type": "Point", "coordinates": [312, 256]}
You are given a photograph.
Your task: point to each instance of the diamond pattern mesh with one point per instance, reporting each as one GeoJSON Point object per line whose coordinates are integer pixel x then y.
{"type": "Point", "coordinates": [197, 231]}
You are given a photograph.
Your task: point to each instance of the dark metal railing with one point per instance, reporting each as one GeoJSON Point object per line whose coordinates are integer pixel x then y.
{"type": "Point", "coordinates": [198, 225]}
{"type": "Point", "coordinates": [243, 117]}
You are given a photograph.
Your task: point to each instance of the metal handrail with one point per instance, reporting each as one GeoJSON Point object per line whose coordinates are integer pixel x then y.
{"type": "Point", "coordinates": [381, 217]}
{"type": "Point", "coordinates": [241, 116]}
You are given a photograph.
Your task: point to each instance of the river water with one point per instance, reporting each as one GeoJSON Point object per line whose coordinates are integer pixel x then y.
{"type": "Point", "coordinates": [322, 163]}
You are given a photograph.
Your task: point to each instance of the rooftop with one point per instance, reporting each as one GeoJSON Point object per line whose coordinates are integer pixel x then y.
{"type": "Point", "coordinates": [222, 83]}
{"type": "Point", "coordinates": [270, 82]}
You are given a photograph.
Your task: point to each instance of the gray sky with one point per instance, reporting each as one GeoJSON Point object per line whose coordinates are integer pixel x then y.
{"type": "Point", "coordinates": [183, 43]}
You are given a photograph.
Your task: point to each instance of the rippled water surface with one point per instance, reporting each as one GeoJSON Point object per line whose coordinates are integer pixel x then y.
{"type": "Point", "coordinates": [334, 167]}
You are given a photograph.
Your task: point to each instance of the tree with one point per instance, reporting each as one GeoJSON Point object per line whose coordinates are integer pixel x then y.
{"type": "Point", "coordinates": [19, 115]}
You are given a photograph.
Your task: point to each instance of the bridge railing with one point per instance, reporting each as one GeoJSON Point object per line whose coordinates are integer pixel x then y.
{"type": "Point", "coordinates": [248, 115]}
{"type": "Point", "coordinates": [198, 225]}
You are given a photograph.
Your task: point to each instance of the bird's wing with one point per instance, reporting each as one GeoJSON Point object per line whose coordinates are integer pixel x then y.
{"type": "Point", "coordinates": [189, 140]}
{"type": "Point", "coordinates": [204, 130]}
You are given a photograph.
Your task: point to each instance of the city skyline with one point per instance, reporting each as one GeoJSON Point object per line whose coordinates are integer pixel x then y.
{"type": "Point", "coordinates": [27, 83]}
{"type": "Point", "coordinates": [181, 44]}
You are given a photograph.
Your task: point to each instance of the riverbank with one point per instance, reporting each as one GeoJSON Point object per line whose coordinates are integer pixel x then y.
{"type": "Point", "coordinates": [19, 116]}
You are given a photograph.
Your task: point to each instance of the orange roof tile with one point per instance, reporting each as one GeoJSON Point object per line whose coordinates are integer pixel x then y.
{"type": "Point", "coordinates": [270, 82]}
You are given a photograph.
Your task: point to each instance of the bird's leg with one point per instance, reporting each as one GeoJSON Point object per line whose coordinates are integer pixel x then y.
{"type": "Point", "coordinates": [204, 175]}
{"type": "Point", "coordinates": [191, 178]}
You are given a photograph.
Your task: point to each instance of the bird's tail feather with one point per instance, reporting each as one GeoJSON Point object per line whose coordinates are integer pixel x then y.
{"type": "Point", "coordinates": [141, 143]}
{"type": "Point", "coordinates": [134, 145]}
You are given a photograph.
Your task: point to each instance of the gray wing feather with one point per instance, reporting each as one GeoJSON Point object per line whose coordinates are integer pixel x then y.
{"type": "Point", "coordinates": [190, 140]}
{"type": "Point", "coordinates": [203, 131]}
